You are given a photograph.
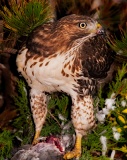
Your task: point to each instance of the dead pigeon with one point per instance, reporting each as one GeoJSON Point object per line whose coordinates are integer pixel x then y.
{"type": "Point", "coordinates": [50, 149]}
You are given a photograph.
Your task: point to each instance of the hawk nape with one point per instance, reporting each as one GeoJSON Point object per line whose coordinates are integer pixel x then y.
{"type": "Point", "coordinates": [70, 55]}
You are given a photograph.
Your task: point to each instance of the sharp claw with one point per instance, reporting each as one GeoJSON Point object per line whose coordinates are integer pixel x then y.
{"type": "Point", "coordinates": [35, 141]}
{"type": "Point", "coordinates": [76, 152]}
{"type": "Point", "coordinates": [72, 154]}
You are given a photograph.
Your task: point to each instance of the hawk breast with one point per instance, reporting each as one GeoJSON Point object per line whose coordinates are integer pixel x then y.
{"type": "Point", "coordinates": [96, 57]}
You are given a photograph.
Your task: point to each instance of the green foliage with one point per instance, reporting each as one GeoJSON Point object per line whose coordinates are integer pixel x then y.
{"type": "Point", "coordinates": [87, 156]}
{"type": "Point", "coordinates": [22, 18]}
{"type": "Point", "coordinates": [119, 85]}
{"type": "Point", "coordinates": [93, 139]}
{"type": "Point", "coordinates": [6, 144]}
{"type": "Point", "coordinates": [50, 128]}
{"type": "Point", "coordinates": [120, 45]}
{"type": "Point", "coordinates": [92, 145]}
{"type": "Point", "coordinates": [21, 100]}
{"type": "Point", "coordinates": [59, 103]}
{"type": "Point", "coordinates": [23, 123]}
{"type": "Point", "coordinates": [99, 100]}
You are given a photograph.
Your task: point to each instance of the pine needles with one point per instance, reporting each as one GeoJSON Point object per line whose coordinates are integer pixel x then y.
{"type": "Point", "coordinates": [22, 18]}
{"type": "Point", "coordinates": [120, 45]}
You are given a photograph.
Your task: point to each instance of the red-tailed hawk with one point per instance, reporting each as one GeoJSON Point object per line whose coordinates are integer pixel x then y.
{"type": "Point", "coordinates": [69, 55]}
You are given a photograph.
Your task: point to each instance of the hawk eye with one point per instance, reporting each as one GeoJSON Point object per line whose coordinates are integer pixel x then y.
{"type": "Point", "coordinates": [82, 25]}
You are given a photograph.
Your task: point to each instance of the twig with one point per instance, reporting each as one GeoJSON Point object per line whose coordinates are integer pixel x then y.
{"type": "Point", "coordinates": [54, 118]}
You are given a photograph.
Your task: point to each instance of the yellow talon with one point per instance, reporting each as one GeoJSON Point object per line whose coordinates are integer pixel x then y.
{"type": "Point", "coordinates": [35, 140]}
{"type": "Point", "coordinates": [76, 152]}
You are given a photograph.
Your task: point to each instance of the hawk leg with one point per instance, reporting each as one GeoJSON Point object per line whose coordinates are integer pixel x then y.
{"type": "Point", "coordinates": [83, 120]}
{"type": "Point", "coordinates": [36, 136]}
{"type": "Point", "coordinates": [76, 152]}
{"type": "Point", "coordinates": [39, 111]}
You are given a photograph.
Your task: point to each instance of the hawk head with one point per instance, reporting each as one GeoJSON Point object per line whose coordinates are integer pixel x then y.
{"type": "Point", "coordinates": [79, 26]}
{"type": "Point", "coordinates": [63, 33]}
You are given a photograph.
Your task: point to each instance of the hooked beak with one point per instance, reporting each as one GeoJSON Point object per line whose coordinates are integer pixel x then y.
{"type": "Point", "coordinates": [100, 29]}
